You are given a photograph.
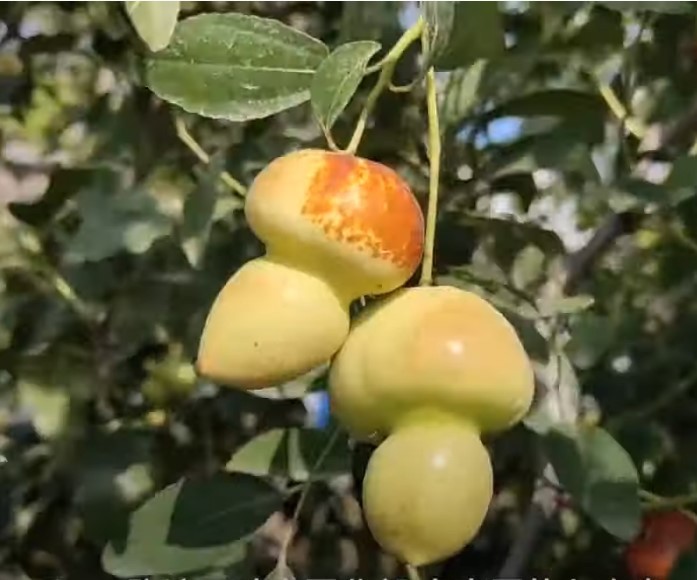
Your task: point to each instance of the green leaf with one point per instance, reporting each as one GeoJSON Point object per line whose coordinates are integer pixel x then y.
{"type": "Point", "coordinates": [559, 396]}
{"type": "Point", "coordinates": [632, 193]}
{"type": "Point", "coordinates": [685, 567]}
{"type": "Point", "coordinates": [680, 183]}
{"type": "Point", "coordinates": [265, 454]}
{"type": "Point", "coordinates": [147, 551]}
{"type": "Point", "coordinates": [114, 220]}
{"type": "Point", "coordinates": [338, 77]}
{"type": "Point", "coordinates": [528, 267]}
{"type": "Point", "coordinates": [292, 453]}
{"type": "Point", "coordinates": [575, 105]}
{"type": "Point", "coordinates": [221, 509]}
{"type": "Point", "coordinates": [369, 20]}
{"type": "Point", "coordinates": [235, 66]}
{"type": "Point", "coordinates": [48, 406]}
{"type": "Point", "coordinates": [661, 7]}
{"type": "Point", "coordinates": [461, 33]}
{"type": "Point", "coordinates": [154, 20]}
{"type": "Point", "coordinates": [461, 92]}
{"type": "Point", "coordinates": [199, 212]}
{"type": "Point", "coordinates": [520, 233]}
{"type": "Point", "coordinates": [50, 388]}
{"type": "Point", "coordinates": [565, 305]}
{"type": "Point", "coordinates": [112, 475]}
{"type": "Point", "coordinates": [600, 475]}
{"type": "Point", "coordinates": [591, 337]}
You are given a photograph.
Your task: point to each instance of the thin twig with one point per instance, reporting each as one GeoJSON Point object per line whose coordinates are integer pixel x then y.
{"type": "Point", "coordinates": [434, 153]}
{"type": "Point", "coordinates": [413, 572]}
{"type": "Point", "coordinates": [388, 65]}
{"type": "Point", "coordinates": [666, 398]}
{"type": "Point", "coordinates": [306, 489]}
{"type": "Point", "coordinates": [193, 145]}
{"type": "Point", "coordinates": [634, 126]}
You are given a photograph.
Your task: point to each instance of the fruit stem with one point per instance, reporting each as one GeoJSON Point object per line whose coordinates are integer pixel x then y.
{"type": "Point", "coordinates": [305, 491]}
{"type": "Point", "coordinates": [434, 152]}
{"type": "Point", "coordinates": [388, 65]}
{"type": "Point", "coordinates": [661, 502]}
{"type": "Point", "coordinates": [413, 572]}
{"type": "Point", "coordinates": [193, 145]}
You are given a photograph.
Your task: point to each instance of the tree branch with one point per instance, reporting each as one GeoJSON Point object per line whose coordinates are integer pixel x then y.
{"type": "Point", "coordinates": [578, 265]}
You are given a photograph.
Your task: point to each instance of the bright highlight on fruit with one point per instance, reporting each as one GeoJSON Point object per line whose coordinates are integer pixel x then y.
{"type": "Point", "coordinates": [335, 227]}
{"type": "Point", "coordinates": [426, 372]}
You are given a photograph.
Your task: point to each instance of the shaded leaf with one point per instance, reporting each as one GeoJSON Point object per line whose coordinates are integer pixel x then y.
{"type": "Point", "coordinates": [113, 474]}
{"type": "Point", "coordinates": [461, 92]}
{"type": "Point", "coordinates": [662, 7]}
{"type": "Point", "coordinates": [591, 337]}
{"type": "Point", "coordinates": [235, 66]}
{"type": "Point", "coordinates": [148, 552]}
{"type": "Point", "coordinates": [685, 566]}
{"type": "Point", "coordinates": [520, 232]}
{"type": "Point", "coordinates": [48, 406]}
{"type": "Point", "coordinates": [576, 105]}
{"type": "Point", "coordinates": [114, 220]}
{"type": "Point", "coordinates": [599, 474]}
{"type": "Point", "coordinates": [528, 267]}
{"type": "Point", "coordinates": [632, 192]}
{"type": "Point", "coordinates": [368, 20]}
{"type": "Point", "coordinates": [154, 20]}
{"type": "Point", "coordinates": [462, 32]}
{"type": "Point", "coordinates": [565, 305]}
{"type": "Point", "coordinates": [564, 148]}
{"type": "Point", "coordinates": [64, 184]}
{"type": "Point", "coordinates": [292, 453]}
{"type": "Point", "coordinates": [338, 77]}
{"type": "Point", "coordinates": [221, 509]}
{"type": "Point", "coordinates": [199, 212]}
{"type": "Point", "coordinates": [559, 393]}
{"type": "Point", "coordinates": [680, 183]}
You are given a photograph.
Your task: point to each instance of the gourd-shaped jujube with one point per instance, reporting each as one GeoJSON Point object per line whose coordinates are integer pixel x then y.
{"type": "Point", "coordinates": [335, 227]}
{"type": "Point", "coordinates": [425, 372]}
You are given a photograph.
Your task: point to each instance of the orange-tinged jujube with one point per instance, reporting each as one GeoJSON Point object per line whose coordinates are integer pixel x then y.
{"type": "Point", "coordinates": [335, 227]}
{"type": "Point", "coordinates": [424, 373]}
{"type": "Point", "coordinates": [665, 536]}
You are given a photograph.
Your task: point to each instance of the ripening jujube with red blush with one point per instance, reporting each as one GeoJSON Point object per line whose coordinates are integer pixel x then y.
{"type": "Point", "coordinates": [665, 535]}
{"type": "Point", "coordinates": [335, 227]}
{"type": "Point", "coordinates": [425, 373]}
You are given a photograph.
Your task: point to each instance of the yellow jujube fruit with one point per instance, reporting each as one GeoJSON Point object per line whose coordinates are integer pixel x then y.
{"type": "Point", "coordinates": [425, 372]}
{"type": "Point", "coordinates": [335, 227]}
{"type": "Point", "coordinates": [427, 489]}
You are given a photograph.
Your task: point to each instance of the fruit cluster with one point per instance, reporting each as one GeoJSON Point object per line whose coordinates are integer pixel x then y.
{"type": "Point", "coordinates": [423, 372]}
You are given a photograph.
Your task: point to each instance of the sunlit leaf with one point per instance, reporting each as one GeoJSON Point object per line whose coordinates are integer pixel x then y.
{"type": "Point", "coordinates": [147, 551]}
{"type": "Point", "coordinates": [235, 66]}
{"type": "Point", "coordinates": [292, 453]}
{"type": "Point", "coordinates": [154, 20]}
{"type": "Point", "coordinates": [338, 77]}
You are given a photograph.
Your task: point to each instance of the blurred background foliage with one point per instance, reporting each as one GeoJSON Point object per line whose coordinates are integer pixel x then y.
{"type": "Point", "coordinates": [567, 198]}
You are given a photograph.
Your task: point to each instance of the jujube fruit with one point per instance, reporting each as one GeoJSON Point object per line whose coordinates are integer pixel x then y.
{"type": "Point", "coordinates": [335, 227]}
{"type": "Point", "coordinates": [664, 537]}
{"type": "Point", "coordinates": [425, 372]}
